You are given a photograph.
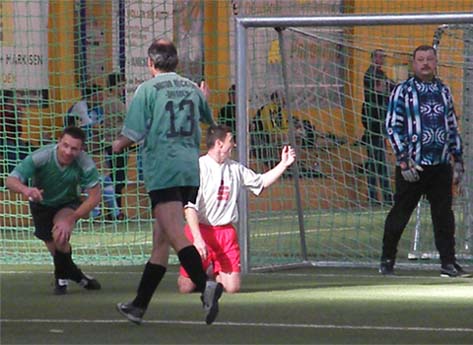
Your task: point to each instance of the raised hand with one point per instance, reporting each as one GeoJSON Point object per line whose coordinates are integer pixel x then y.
{"type": "Point", "coordinates": [288, 155]}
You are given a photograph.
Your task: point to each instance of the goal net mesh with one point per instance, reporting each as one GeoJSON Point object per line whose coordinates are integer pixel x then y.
{"type": "Point", "coordinates": [56, 53]}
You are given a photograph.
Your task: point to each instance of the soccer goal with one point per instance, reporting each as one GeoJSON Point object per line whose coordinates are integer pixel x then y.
{"type": "Point", "coordinates": [322, 212]}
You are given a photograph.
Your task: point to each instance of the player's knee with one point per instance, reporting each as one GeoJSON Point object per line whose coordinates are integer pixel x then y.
{"type": "Point", "coordinates": [232, 287]}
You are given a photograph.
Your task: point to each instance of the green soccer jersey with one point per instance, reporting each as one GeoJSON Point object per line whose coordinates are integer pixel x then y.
{"type": "Point", "coordinates": [165, 112]}
{"type": "Point", "coordinates": [60, 184]}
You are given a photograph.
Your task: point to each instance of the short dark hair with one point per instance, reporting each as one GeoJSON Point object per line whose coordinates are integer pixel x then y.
{"type": "Point", "coordinates": [376, 51]}
{"type": "Point", "coordinates": [75, 132]}
{"type": "Point", "coordinates": [216, 132]}
{"type": "Point", "coordinates": [423, 48]}
{"type": "Point", "coordinates": [114, 79]}
{"type": "Point", "coordinates": [163, 55]}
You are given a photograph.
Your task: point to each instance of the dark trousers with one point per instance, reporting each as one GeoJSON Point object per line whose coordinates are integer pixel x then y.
{"type": "Point", "coordinates": [436, 184]}
{"type": "Point", "coordinates": [377, 169]}
{"type": "Point", "coordinates": [117, 164]}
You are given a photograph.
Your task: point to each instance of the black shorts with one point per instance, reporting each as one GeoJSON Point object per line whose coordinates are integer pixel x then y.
{"type": "Point", "coordinates": [182, 194]}
{"type": "Point", "coordinates": [43, 218]}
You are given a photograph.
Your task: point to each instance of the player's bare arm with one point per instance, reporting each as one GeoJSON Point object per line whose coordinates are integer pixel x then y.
{"type": "Point", "coordinates": [92, 200]}
{"type": "Point", "coordinates": [205, 89]}
{"type": "Point", "coordinates": [288, 156]}
{"type": "Point", "coordinates": [31, 193]}
{"type": "Point", "coordinates": [193, 222]}
{"type": "Point", "coordinates": [121, 143]}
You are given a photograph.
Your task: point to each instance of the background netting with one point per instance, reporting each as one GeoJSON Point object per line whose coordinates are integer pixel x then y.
{"type": "Point", "coordinates": [52, 52]}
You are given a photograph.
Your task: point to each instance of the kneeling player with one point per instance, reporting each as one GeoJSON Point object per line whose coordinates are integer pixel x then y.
{"type": "Point", "coordinates": [210, 219]}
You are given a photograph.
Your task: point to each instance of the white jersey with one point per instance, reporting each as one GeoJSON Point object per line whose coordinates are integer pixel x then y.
{"type": "Point", "coordinates": [220, 186]}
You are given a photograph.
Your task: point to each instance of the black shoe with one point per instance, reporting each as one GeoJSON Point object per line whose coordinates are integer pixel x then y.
{"type": "Point", "coordinates": [449, 270]}
{"type": "Point", "coordinates": [60, 286]}
{"type": "Point", "coordinates": [460, 270]}
{"type": "Point", "coordinates": [90, 283]}
{"type": "Point", "coordinates": [212, 293]}
{"type": "Point", "coordinates": [386, 268]}
{"type": "Point", "coordinates": [132, 313]}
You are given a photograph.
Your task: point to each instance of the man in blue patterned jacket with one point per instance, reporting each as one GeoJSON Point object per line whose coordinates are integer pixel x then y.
{"type": "Point", "coordinates": [422, 129]}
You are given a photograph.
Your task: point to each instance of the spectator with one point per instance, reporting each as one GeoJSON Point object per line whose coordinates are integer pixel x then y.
{"type": "Point", "coordinates": [269, 129]}
{"type": "Point", "coordinates": [114, 113]}
{"type": "Point", "coordinates": [88, 114]}
{"type": "Point", "coordinates": [227, 114]}
{"type": "Point", "coordinates": [377, 87]}
{"type": "Point", "coordinates": [270, 132]}
{"type": "Point", "coordinates": [422, 128]}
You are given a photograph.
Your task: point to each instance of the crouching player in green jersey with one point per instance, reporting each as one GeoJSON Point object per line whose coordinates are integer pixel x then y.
{"type": "Point", "coordinates": [165, 112]}
{"type": "Point", "coordinates": [57, 173]}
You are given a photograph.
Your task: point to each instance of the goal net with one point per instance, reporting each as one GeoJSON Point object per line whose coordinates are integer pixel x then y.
{"type": "Point", "coordinates": [344, 180]}
{"type": "Point", "coordinates": [54, 54]}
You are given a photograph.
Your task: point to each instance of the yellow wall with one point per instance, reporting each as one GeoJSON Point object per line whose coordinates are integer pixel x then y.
{"type": "Point", "coordinates": [62, 86]}
{"type": "Point", "coordinates": [217, 51]}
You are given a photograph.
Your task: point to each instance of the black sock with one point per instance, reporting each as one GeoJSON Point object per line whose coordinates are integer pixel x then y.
{"type": "Point", "coordinates": [192, 263]}
{"type": "Point", "coordinates": [150, 280]}
{"type": "Point", "coordinates": [60, 265]}
{"type": "Point", "coordinates": [71, 271]}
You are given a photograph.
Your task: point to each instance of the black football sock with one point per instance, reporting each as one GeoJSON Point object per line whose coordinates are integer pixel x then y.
{"type": "Point", "coordinates": [192, 263]}
{"type": "Point", "coordinates": [73, 272]}
{"type": "Point", "coordinates": [60, 265]}
{"type": "Point", "coordinates": [152, 276]}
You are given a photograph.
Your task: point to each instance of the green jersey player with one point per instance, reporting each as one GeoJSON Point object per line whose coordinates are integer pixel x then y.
{"type": "Point", "coordinates": [58, 172]}
{"type": "Point", "coordinates": [165, 113]}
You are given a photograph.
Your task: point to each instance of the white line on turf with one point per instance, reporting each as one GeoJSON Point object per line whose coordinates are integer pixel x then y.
{"type": "Point", "coordinates": [252, 324]}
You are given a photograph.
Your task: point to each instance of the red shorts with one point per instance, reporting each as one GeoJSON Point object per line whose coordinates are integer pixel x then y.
{"type": "Point", "coordinates": [222, 246]}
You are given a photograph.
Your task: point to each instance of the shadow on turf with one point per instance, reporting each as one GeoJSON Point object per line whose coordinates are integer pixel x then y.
{"type": "Point", "coordinates": [315, 281]}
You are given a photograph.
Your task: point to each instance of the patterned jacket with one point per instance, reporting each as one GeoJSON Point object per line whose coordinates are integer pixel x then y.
{"type": "Point", "coordinates": [405, 128]}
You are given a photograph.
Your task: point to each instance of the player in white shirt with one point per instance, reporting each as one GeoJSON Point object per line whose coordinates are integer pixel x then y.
{"type": "Point", "coordinates": [210, 221]}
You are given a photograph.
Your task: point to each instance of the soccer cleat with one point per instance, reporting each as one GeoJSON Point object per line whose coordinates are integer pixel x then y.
{"type": "Point", "coordinates": [386, 268]}
{"type": "Point", "coordinates": [60, 286]}
{"type": "Point", "coordinates": [90, 283]}
{"type": "Point", "coordinates": [453, 270]}
{"type": "Point", "coordinates": [132, 313]}
{"type": "Point", "coordinates": [449, 270]}
{"type": "Point", "coordinates": [213, 291]}
{"type": "Point", "coordinates": [461, 271]}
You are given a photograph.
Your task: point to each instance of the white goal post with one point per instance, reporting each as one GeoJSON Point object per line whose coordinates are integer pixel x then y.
{"type": "Point", "coordinates": [242, 24]}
